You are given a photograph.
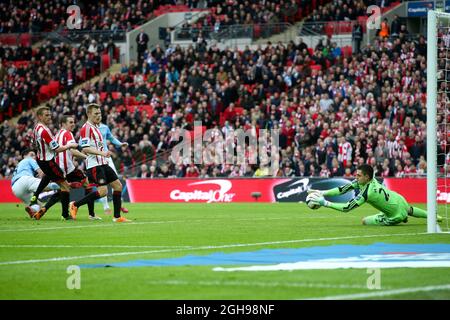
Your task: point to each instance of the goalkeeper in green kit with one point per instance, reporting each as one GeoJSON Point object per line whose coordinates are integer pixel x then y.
{"type": "Point", "coordinates": [393, 206]}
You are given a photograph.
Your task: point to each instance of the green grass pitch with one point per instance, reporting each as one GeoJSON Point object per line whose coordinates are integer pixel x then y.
{"type": "Point", "coordinates": [35, 255]}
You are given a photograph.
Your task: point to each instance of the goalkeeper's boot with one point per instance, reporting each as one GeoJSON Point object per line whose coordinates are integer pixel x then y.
{"type": "Point", "coordinates": [124, 210]}
{"type": "Point", "coordinates": [73, 210]}
{"type": "Point", "coordinates": [38, 215]}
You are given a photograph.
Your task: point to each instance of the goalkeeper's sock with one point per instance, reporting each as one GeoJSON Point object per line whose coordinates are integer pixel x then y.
{"type": "Point", "coordinates": [418, 213]}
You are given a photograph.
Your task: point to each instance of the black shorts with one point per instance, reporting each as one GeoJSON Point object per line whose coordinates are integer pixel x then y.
{"type": "Point", "coordinates": [101, 175]}
{"type": "Point", "coordinates": [51, 170]}
{"type": "Point", "coordinates": [76, 176]}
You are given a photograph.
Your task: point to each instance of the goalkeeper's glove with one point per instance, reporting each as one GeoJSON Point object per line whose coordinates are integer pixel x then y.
{"type": "Point", "coordinates": [315, 191]}
{"type": "Point", "coordinates": [319, 199]}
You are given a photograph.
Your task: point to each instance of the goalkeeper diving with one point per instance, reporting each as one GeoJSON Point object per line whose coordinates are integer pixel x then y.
{"type": "Point", "coordinates": [393, 207]}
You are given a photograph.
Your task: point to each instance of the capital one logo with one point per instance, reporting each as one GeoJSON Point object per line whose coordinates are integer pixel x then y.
{"type": "Point", "coordinates": [212, 195]}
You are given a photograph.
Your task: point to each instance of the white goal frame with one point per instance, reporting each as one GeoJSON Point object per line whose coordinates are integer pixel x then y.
{"type": "Point", "coordinates": [432, 61]}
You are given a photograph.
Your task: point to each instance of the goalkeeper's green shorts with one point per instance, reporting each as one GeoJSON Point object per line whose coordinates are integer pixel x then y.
{"type": "Point", "coordinates": [381, 219]}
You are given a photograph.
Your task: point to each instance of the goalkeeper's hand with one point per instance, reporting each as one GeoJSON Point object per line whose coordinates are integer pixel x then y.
{"type": "Point", "coordinates": [319, 199]}
{"type": "Point", "coordinates": [310, 191]}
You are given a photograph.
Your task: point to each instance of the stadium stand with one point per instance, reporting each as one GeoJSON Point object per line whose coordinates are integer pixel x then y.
{"type": "Point", "coordinates": [334, 112]}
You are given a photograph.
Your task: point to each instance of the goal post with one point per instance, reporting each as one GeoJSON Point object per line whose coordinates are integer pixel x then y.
{"type": "Point", "coordinates": [431, 121]}
{"type": "Point", "coordinates": [438, 129]}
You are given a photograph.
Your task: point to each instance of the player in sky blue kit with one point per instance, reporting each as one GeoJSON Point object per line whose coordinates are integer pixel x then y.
{"type": "Point", "coordinates": [26, 179]}
{"type": "Point", "coordinates": [107, 135]}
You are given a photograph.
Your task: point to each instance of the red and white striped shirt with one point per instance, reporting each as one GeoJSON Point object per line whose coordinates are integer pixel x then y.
{"type": "Point", "coordinates": [345, 152]}
{"type": "Point", "coordinates": [45, 142]}
{"type": "Point", "coordinates": [65, 159]}
{"type": "Point", "coordinates": [90, 136]}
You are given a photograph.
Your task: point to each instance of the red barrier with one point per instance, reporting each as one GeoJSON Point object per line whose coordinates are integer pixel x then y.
{"type": "Point", "coordinates": [415, 190]}
{"type": "Point", "coordinates": [236, 190]}
{"type": "Point", "coordinates": [198, 190]}
{"type": "Point", "coordinates": [240, 190]}
{"type": "Point", "coordinates": [6, 192]}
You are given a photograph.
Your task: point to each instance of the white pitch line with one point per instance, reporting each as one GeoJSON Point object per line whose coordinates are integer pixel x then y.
{"type": "Point", "coordinates": [103, 255]}
{"type": "Point", "coordinates": [83, 246]}
{"type": "Point", "coordinates": [256, 284]}
{"type": "Point", "coordinates": [385, 293]}
{"type": "Point", "coordinates": [90, 226]}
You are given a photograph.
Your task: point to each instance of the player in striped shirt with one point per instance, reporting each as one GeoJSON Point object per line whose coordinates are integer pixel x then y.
{"type": "Point", "coordinates": [46, 149]}
{"type": "Point", "coordinates": [98, 170]}
{"type": "Point", "coordinates": [65, 161]}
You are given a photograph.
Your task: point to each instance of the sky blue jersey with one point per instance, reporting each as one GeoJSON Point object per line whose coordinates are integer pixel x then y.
{"type": "Point", "coordinates": [107, 135]}
{"type": "Point", "coordinates": [26, 167]}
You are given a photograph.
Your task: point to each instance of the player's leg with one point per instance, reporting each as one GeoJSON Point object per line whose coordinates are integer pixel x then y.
{"type": "Point", "coordinates": [20, 190]}
{"type": "Point", "coordinates": [95, 175]}
{"type": "Point", "coordinates": [112, 166]}
{"type": "Point", "coordinates": [42, 184]}
{"type": "Point", "coordinates": [104, 202]}
{"type": "Point", "coordinates": [116, 185]}
{"type": "Point", "coordinates": [78, 176]}
{"type": "Point", "coordinates": [381, 219]}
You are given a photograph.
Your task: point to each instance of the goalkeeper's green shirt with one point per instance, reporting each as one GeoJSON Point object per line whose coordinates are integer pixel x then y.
{"type": "Point", "coordinates": [374, 193]}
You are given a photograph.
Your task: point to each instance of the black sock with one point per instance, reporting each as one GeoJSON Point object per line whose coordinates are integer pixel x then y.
{"type": "Point", "coordinates": [65, 199]}
{"type": "Point", "coordinates": [44, 183]}
{"type": "Point", "coordinates": [53, 199]}
{"type": "Point", "coordinates": [117, 202]}
{"type": "Point", "coordinates": [90, 204]}
{"type": "Point", "coordinates": [90, 197]}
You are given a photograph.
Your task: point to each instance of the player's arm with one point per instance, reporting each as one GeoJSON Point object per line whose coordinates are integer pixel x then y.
{"type": "Point", "coordinates": [109, 136]}
{"type": "Point", "coordinates": [35, 167]}
{"type": "Point", "coordinates": [54, 145]}
{"type": "Point", "coordinates": [344, 207]}
{"type": "Point", "coordinates": [78, 154]}
{"type": "Point", "coordinates": [85, 144]}
{"type": "Point", "coordinates": [336, 191]}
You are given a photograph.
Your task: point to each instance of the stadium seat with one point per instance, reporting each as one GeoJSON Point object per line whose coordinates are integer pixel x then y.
{"type": "Point", "coordinates": [105, 61]}
{"type": "Point", "coordinates": [53, 88]}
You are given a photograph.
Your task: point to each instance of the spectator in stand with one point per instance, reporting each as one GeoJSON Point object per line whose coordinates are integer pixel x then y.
{"type": "Point", "coordinates": [357, 36]}
{"type": "Point", "coordinates": [142, 40]}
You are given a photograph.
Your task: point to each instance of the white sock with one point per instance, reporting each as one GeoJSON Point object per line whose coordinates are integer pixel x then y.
{"type": "Point", "coordinates": [105, 203]}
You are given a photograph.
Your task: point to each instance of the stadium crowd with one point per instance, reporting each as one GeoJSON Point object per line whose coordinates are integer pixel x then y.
{"type": "Point", "coordinates": [333, 112]}
{"type": "Point", "coordinates": [45, 16]}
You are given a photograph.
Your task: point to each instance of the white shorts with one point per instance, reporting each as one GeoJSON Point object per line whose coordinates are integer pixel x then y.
{"type": "Point", "coordinates": [25, 187]}
{"type": "Point", "coordinates": [111, 164]}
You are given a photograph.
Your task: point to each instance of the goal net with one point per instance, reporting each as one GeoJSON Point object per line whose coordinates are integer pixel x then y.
{"type": "Point", "coordinates": [438, 120]}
